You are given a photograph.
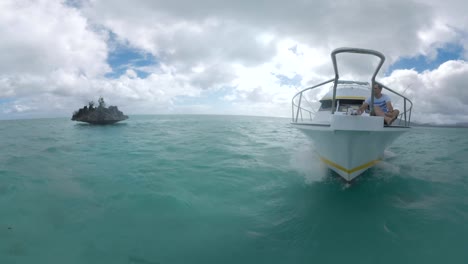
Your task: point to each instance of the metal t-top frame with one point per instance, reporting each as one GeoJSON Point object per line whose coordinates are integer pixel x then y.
{"type": "Point", "coordinates": [337, 76]}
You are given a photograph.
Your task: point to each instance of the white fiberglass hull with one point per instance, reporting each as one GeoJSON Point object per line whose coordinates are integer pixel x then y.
{"type": "Point", "coordinates": [350, 145]}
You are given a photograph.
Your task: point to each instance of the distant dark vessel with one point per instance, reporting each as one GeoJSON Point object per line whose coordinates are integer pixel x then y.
{"type": "Point", "coordinates": [100, 115]}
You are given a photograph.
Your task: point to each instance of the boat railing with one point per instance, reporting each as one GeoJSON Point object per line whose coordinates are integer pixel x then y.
{"type": "Point", "coordinates": [405, 115]}
{"type": "Point", "coordinates": [298, 109]}
{"type": "Point", "coordinates": [302, 112]}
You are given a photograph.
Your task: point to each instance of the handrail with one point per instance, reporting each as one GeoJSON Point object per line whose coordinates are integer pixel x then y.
{"type": "Point", "coordinates": [306, 89]}
{"type": "Point", "coordinates": [404, 115]}
{"type": "Point", "coordinates": [295, 113]}
{"type": "Point", "coordinates": [407, 121]}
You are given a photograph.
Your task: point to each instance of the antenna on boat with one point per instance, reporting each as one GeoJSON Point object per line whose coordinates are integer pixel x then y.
{"type": "Point", "coordinates": [305, 98]}
{"type": "Point", "coordinates": [404, 91]}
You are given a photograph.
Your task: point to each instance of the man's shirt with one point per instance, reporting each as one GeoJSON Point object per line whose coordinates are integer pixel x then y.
{"type": "Point", "coordinates": [380, 102]}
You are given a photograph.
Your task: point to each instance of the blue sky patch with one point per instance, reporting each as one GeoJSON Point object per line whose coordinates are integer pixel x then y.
{"type": "Point", "coordinates": [123, 57]}
{"type": "Point", "coordinates": [285, 80]}
{"type": "Point", "coordinates": [6, 100]}
{"type": "Point", "coordinates": [422, 63]}
{"type": "Point", "coordinates": [74, 3]}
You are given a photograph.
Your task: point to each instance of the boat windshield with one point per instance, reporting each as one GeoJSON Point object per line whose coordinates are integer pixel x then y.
{"type": "Point", "coordinates": [342, 104]}
{"type": "Point", "coordinates": [326, 105]}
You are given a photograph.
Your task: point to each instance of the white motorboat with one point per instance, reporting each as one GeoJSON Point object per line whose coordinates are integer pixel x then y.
{"type": "Point", "coordinates": [348, 143]}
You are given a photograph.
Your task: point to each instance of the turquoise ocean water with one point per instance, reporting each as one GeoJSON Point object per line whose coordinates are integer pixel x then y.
{"type": "Point", "coordinates": [223, 189]}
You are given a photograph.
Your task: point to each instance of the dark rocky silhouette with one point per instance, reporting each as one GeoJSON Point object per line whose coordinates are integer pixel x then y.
{"type": "Point", "coordinates": [100, 115]}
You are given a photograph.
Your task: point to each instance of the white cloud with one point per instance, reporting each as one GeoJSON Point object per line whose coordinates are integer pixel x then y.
{"type": "Point", "coordinates": [53, 55]}
{"type": "Point", "coordinates": [45, 46]}
{"type": "Point", "coordinates": [439, 96]}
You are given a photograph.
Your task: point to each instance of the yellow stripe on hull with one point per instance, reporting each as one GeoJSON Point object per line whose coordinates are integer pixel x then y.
{"type": "Point", "coordinates": [341, 168]}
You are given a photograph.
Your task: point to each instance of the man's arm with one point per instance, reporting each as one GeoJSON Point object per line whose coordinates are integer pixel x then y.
{"type": "Point", "coordinates": [363, 108]}
{"type": "Point", "coordinates": [389, 106]}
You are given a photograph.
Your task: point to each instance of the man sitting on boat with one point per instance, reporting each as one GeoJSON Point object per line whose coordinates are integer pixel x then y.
{"type": "Point", "coordinates": [382, 105]}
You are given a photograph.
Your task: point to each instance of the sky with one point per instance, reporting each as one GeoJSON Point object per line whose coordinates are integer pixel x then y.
{"type": "Point", "coordinates": [225, 57]}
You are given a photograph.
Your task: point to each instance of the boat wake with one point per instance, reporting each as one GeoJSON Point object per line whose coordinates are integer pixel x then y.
{"type": "Point", "coordinates": [389, 155]}
{"type": "Point", "coordinates": [307, 163]}
{"type": "Point", "coordinates": [388, 167]}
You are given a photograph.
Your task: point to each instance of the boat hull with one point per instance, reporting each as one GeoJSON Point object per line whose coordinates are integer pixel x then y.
{"type": "Point", "coordinates": [351, 144]}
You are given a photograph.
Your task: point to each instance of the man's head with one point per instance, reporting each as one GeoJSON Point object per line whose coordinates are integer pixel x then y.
{"type": "Point", "coordinates": [377, 89]}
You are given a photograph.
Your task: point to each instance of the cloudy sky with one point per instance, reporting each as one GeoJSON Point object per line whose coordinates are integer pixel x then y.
{"type": "Point", "coordinates": [224, 57]}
